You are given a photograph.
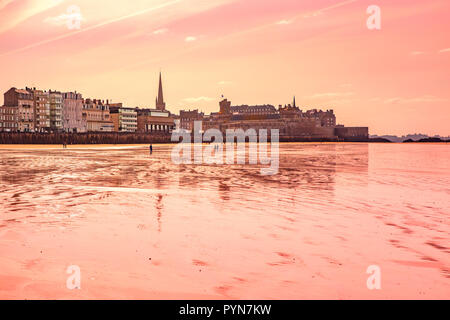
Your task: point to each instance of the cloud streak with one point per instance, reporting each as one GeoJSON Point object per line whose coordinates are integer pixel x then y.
{"type": "Point", "coordinates": [22, 11]}
{"type": "Point", "coordinates": [198, 99]}
{"type": "Point", "coordinates": [331, 95]}
{"type": "Point", "coordinates": [421, 99]}
{"type": "Point", "coordinates": [224, 83]}
{"type": "Point", "coordinates": [160, 31]}
{"type": "Point", "coordinates": [190, 39]}
{"type": "Point", "coordinates": [93, 27]}
{"type": "Point", "coordinates": [285, 22]}
{"type": "Point", "coordinates": [64, 18]}
{"type": "Point", "coordinates": [4, 3]}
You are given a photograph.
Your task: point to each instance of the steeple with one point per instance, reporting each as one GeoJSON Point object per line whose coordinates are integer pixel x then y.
{"type": "Point", "coordinates": [294, 103]}
{"type": "Point", "coordinates": [160, 104]}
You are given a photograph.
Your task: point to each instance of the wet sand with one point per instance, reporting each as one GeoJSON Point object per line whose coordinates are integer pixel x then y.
{"type": "Point", "coordinates": [141, 227]}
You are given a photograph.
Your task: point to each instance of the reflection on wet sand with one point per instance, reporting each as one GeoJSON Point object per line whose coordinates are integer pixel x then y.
{"type": "Point", "coordinates": [140, 226]}
{"type": "Point", "coordinates": [159, 208]}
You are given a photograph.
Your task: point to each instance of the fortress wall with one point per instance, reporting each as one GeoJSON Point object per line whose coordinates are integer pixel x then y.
{"type": "Point", "coordinates": [83, 138]}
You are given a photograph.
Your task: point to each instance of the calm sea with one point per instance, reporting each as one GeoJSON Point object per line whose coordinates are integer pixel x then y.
{"type": "Point", "coordinates": [139, 226]}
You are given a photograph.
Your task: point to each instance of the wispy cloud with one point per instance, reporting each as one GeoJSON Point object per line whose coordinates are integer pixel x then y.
{"type": "Point", "coordinates": [160, 31]}
{"type": "Point", "coordinates": [198, 99]}
{"type": "Point", "coordinates": [18, 14]}
{"type": "Point", "coordinates": [190, 39]}
{"type": "Point", "coordinates": [316, 13]}
{"type": "Point", "coordinates": [421, 99]}
{"type": "Point", "coordinates": [331, 95]}
{"type": "Point", "coordinates": [64, 18]}
{"type": "Point", "coordinates": [312, 15]}
{"type": "Point", "coordinates": [444, 50]}
{"type": "Point", "coordinates": [239, 33]}
{"type": "Point", "coordinates": [4, 3]}
{"type": "Point", "coordinates": [339, 102]}
{"type": "Point", "coordinates": [334, 6]}
{"type": "Point", "coordinates": [224, 83]}
{"type": "Point", "coordinates": [93, 27]}
{"type": "Point", "coordinates": [285, 22]}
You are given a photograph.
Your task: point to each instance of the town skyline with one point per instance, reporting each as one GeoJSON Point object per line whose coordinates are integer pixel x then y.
{"type": "Point", "coordinates": [213, 108]}
{"type": "Point", "coordinates": [33, 110]}
{"type": "Point", "coordinates": [250, 51]}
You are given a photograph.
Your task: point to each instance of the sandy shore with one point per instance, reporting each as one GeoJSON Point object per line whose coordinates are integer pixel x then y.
{"type": "Point", "coordinates": [141, 227]}
{"type": "Point", "coordinates": [77, 146]}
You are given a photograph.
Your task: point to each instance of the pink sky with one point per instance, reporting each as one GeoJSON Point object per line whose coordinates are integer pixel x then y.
{"type": "Point", "coordinates": [395, 80]}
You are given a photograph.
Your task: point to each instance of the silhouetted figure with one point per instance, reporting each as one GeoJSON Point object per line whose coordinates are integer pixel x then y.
{"type": "Point", "coordinates": [151, 149]}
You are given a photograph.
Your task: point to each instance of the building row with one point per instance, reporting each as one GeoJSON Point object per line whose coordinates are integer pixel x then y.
{"type": "Point", "coordinates": [290, 120]}
{"type": "Point", "coordinates": [35, 110]}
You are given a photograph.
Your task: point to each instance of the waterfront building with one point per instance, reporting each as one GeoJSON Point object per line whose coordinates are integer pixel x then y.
{"type": "Point", "coordinates": [154, 121]}
{"type": "Point", "coordinates": [33, 110]}
{"type": "Point", "coordinates": [97, 116]}
{"type": "Point", "coordinates": [187, 118]}
{"type": "Point", "coordinates": [291, 123]}
{"type": "Point", "coordinates": [41, 109]}
{"type": "Point", "coordinates": [158, 120]}
{"type": "Point", "coordinates": [124, 119]}
{"type": "Point", "coordinates": [224, 108]}
{"type": "Point", "coordinates": [352, 133]}
{"type": "Point", "coordinates": [19, 110]}
{"type": "Point", "coordinates": [290, 112]}
{"type": "Point", "coordinates": [9, 119]}
{"type": "Point", "coordinates": [72, 112]}
{"type": "Point", "coordinates": [56, 110]}
{"type": "Point", "coordinates": [326, 118]}
{"type": "Point", "coordinates": [253, 110]}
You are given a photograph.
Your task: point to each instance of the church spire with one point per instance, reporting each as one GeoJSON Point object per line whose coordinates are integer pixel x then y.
{"type": "Point", "coordinates": [160, 91]}
{"type": "Point", "coordinates": [294, 103]}
{"type": "Point", "coordinates": [160, 104]}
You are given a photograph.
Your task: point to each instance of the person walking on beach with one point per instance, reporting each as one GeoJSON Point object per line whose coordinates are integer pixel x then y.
{"type": "Point", "coordinates": [151, 149]}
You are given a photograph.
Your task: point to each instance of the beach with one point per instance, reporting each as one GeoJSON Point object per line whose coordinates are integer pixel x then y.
{"type": "Point", "coordinates": [141, 227]}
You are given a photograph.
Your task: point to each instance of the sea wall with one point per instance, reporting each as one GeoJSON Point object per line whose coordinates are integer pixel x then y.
{"type": "Point", "coordinates": [83, 138]}
{"type": "Point", "coordinates": [322, 135]}
{"type": "Point", "coordinates": [352, 133]}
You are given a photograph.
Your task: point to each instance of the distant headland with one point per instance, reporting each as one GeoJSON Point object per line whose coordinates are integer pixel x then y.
{"type": "Point", "coordinates": [409, 138]}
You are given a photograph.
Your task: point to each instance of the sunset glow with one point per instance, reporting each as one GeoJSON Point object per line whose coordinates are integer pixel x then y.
{"type": "Point", "coordinates": [211, 152]}
{"type": "Point", "coordinates": [394, 80]}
